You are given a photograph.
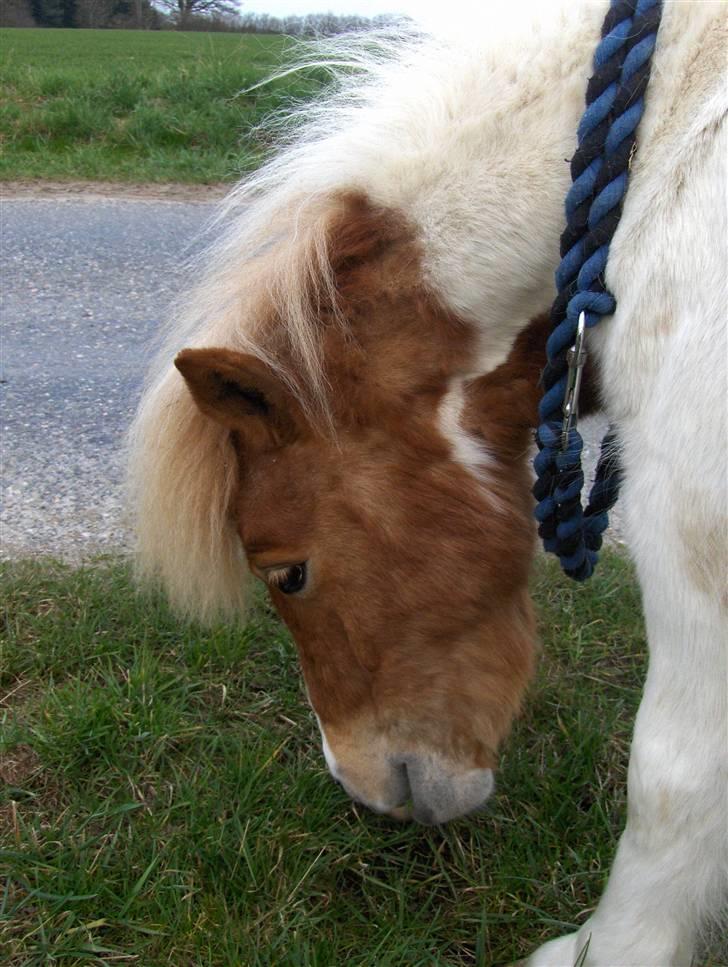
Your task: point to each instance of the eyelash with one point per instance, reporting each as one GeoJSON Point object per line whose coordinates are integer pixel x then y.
{"type": "Point", "coordinates": [278, 577]}
{"type": "Point", "coordinates": [288, 580]}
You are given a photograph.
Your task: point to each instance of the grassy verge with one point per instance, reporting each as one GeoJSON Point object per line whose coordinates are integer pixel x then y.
{"type": "Point", "coordinates": [165, 797]}
{"type": "Point", "coordinates": [153, 106]}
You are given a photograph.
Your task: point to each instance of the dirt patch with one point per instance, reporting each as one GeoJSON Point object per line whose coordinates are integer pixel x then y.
{"type": "Point", "coordinates": [27, 791]}
{"type": "Point", "coordinates": [16, 768]}
{"type": "Point", "coordinates": [17, 692]}
{"type": "Point", "coordinates": [18, 765]}
{"type": "Point", "coordinates": [59, 190]}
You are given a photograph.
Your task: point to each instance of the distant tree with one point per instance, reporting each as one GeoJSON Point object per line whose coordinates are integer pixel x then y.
{"type": "Point", "coordinates": [94, 13]}
{"type": "Point", "coordinates": [117, 13]}
{"type": "Point", "coordinates": [46, 13]}
{"type": "Point", "coordinates": [210, 15]}
{"type": "Point", "coordinates": [16, 13]}
{"type": "Point", "coordinates": [309, 25]}
{"type": "Point", "coordinates": [54, 13]}
{"type": "Point", "coordinates": [184, 10]}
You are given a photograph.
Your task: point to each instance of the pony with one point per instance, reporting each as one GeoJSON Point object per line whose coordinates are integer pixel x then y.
{"type": "Point", "coordinates": [344, 410]}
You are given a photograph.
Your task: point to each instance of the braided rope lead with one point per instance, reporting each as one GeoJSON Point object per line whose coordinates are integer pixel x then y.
{"type": "Point", "coordinates": [599, 172]}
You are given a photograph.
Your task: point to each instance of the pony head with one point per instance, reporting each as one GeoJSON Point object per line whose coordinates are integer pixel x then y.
{"type": "Point", "coordinates": [380, 493]}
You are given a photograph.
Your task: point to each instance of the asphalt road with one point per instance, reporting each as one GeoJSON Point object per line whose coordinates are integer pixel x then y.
{"type": "Point", "coordinates": [86, 283]}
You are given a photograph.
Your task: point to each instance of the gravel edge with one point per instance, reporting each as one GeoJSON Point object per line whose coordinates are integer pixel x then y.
{"type": "Point", "coordinates": [60, 190]}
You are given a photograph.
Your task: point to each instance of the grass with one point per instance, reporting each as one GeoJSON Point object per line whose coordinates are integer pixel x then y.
{"type": "Point", "coordinates": [166, 802]}
{"type": "Point", "coordinates": [121, 105]}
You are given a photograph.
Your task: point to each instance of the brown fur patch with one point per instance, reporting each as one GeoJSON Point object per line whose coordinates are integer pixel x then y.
{"type": "Point", "coordinates": [416, 616]}
{"type": "Point", "coordinates": [503, 404]}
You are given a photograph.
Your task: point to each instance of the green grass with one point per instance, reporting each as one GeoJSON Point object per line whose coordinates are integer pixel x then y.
{"type": "Point", "coordinates": [120, 105]}
{"type": "Point", "coordinates": [166, 799]}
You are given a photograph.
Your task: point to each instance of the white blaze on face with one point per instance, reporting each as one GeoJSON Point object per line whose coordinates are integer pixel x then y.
{"type": "Point", "coordinates": [375, 804]}
{"type": "Point", "coordinates": [328, 754]}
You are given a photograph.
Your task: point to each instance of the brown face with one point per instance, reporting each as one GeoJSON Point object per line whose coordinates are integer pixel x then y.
{"type": "Point", "coordinates": [399, 568]}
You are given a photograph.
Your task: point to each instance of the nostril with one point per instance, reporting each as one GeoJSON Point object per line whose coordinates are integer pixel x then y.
{"type": "Point", "coordinates": [403, 779]}
{"type": "Point", "coordinates": [402, 794]}
{"type": "Point", "coordinates": [407, 807]}
{"type": "Point", "coordinates": [401, 786]}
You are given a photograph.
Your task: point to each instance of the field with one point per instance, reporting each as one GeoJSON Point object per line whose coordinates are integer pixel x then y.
{"type": "Point", "coordinates": [152, 106]}
{"type": "Point", "coordinates": [166, 800]}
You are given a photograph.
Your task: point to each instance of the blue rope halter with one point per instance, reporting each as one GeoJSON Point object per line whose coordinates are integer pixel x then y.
{"type": "Point", "coordinates": [600, 172]}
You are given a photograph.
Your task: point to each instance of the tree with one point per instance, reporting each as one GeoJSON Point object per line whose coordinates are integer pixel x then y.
{"type": "Point", "coordinates": [54, 13]}
{"type": "Point", "coordinates": [117, 13]}
{"type": "Point", "coordinates": [184, 10]}
{"type": "Point", "coordinates": [16, 13]}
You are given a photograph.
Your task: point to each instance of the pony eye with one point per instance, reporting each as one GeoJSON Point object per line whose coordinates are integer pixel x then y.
{"type": "Point", "coordinates": [289, 580]}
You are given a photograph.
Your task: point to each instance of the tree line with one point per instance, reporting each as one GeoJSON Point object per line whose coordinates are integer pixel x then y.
{"type": "Point", "coordinates": [216, 15]}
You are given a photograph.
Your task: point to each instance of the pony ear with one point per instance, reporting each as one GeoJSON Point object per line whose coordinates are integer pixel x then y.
{"type": "Point", "coordinates": [241, 392]}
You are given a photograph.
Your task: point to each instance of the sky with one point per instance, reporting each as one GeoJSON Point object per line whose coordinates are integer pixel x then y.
{"type": "Point", "coordinates": [425, 9]}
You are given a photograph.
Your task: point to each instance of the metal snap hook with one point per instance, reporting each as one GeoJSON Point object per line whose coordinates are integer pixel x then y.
{"type": "Point", "coordinates": [576, 359]}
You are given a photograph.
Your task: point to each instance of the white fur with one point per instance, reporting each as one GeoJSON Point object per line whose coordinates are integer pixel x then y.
{"type": "Point", "coordinates": [663, 358]}
{"type": "Point", "coordinates": [466, 449]}
{"type": "Point", "coordinates": [329, 756]}
{"type": "Point", "coordinates": [470, 142]}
